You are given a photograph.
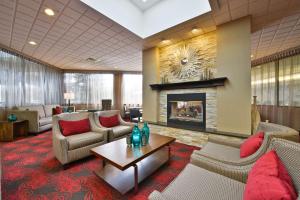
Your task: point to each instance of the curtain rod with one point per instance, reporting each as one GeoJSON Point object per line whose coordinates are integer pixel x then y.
{"type": "Point", "coordinates": [276, 56]}
{"type": "Point", "coordinates": [26, 57]}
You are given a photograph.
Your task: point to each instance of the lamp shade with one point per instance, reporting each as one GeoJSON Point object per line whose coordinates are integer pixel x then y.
{"type": "Point", "coordinates": [69, 95]}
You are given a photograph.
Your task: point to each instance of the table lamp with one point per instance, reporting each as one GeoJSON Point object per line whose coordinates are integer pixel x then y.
{"type": "Point", "coordinates": [68, 96]}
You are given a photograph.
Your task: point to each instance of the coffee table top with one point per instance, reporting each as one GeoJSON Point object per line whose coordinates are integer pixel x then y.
{"type": "Point", "coordinates": [122, 157]}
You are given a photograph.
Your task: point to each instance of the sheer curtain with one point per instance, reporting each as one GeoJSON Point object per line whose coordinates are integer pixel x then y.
{"type": "Point", "coordinates": [89, 88]}
{"type": "Point", "coordinates": [23, 82]}
{"type": "Point", "coordinates": [289, 81]}
{"type": "Point", "coordinates": [263, 83]}
{"type": "Point", "coordinates": [132, 89]}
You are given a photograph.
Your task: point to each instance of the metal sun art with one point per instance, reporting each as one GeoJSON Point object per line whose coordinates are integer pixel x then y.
{"type": "Point", "coordinates": [186, 62]}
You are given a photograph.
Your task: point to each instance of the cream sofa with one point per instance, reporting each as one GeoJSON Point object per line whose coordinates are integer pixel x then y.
{"type": "Point", "coordinates": [39, 117]}
{"type": "Point", "coordinates": [75, 147]}
{"type": "Point", "coordinates": [116, 132]}
{"type": "Point", "coordinates": [198, 183]}
{"type": "Point", "coordinates": [219, 151]}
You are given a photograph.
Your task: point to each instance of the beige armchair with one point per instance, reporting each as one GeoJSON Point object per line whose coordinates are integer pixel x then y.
{"type": "Point", "coordinates": [75, 147]}
{"type": "Point", "coordinates": [216, 151]}
{"type": "Point", "coordinates": [116, 132]}
{"type": "Point", "coordinates": [198, 183]}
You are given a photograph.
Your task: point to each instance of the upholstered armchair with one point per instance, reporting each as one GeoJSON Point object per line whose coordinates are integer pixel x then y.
{"type": "Point", "coordinates": [74, 147]}
{"type": "Point", "coordinates": [199, 183]}
{"type": "Point", "coordinates": [116, 132]}
{"type": "Point", "coordinates": [220, 151]}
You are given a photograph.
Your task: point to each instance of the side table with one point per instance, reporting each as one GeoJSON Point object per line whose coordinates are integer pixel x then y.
{"type": "Point", "coordinates": [10, 130]}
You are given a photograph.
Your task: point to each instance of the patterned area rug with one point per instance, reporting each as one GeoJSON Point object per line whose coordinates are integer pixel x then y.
{"type": "Point", "coordinates": [30, 171]}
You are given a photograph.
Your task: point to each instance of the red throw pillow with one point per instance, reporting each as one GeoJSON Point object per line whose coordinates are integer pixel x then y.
{"type": "Point", "coordinates": [109, 122]}
{"type": "Point", "coordinates": [251, 145]}
{"type": "Point", "coordinates": [269, 180]}
{"type": "Point", "coordinates": [58, 110]}
{"type": "Point", "coordinates": [74, 127]}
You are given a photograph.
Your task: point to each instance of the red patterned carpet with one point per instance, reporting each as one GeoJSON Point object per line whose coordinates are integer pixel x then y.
{"type": "Point", "coordinates": [30, 171]}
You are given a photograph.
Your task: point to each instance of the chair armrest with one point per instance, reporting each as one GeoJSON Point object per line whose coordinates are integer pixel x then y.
{"type": "Point", "coordinates": [239, 173]}
{"type": "Point", "coordinates": [233, 143]}
{"type": "Point", "coordinates": [155, 195]}
{"type": "Point", "coordinates": [104, 131]}
{"type": "Point", "coordinates": [122, 122]}
{"type": "Point", "coordinates": [31, 115]}
{"type": "Point", "coordinates": [96, 127]}
{"type": "Point", "coordinates": [60, 147]}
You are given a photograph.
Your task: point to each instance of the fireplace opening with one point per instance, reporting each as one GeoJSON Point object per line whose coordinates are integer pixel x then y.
{"type": "Point", "coordinates": [186, 111]}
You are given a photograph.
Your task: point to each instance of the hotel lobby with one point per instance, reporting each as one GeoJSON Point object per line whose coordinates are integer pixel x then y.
{"type": "Point", "coordinates": [150, 99]}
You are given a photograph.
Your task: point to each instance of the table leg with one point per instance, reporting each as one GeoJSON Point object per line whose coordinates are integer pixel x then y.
{"type": "Point", "coordinates": [103, 163]}
{"type": "Point", "coordinates": [135, 178]}
{"type": "Point", "coordinates": [169, 152]}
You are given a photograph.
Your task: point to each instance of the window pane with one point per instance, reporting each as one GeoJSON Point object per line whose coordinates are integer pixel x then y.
{"type": "Point", "coordinates": [132, 89]}
{"type": "Point", "coordinates": [263, 83]}
{"type": "Point", "coordinates": [89, 88]}
{"type": "Point", "coordinates": [289, 81]}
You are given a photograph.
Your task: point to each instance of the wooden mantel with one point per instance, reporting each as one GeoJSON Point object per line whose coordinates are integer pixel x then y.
{"type": "Point", "coordinates": [191, 84]}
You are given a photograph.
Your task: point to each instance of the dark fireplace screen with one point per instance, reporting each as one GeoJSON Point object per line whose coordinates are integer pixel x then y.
{"type": "Point", "coordinates": [186, 111]}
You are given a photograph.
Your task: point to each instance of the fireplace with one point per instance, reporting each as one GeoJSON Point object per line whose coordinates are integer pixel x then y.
{"type": "Point", "coordinates": [187, 111]}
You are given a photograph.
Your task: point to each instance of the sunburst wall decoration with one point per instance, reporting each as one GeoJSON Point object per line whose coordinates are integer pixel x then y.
{"type": "Point", "coordinates": [188, 60]}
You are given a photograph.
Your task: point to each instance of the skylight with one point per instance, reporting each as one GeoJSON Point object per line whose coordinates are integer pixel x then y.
{"type": "Point", "coordinates": [145, 21]}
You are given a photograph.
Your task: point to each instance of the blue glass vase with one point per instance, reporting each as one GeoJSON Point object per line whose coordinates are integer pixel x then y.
{"type": "Point", "coordinates": [136, 136]}
{"type": "Point", "coordinates": [146, 131]}
{"type": "Point", "coordinates": [12, 118]}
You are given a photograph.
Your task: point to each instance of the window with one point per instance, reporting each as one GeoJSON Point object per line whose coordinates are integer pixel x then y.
{"type": "Point", "coordinates": [263, 83]}
{"type": "Point", "coordinates": [22, 82]}
{"type": "Point", "coordinates": [264, 78]}
{"type": "Point", "coordinates": [89, 88]}
{"type": "Point", "coordinates": [289, 81]}
{"type": "Point", "coordinates": [132, 87]}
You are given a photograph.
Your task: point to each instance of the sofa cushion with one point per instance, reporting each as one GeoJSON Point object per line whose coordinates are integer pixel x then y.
{"type": "Point", "coordinates": [48, 109]}
{"type": "Point", "coordinates": [269, 179]}
{"type": "Point", "coordinates": [119, 131]}
{"type": "Point", "coordinates": [57, 110]}
{"type": "Point", "coordinates": [39, 109]}
{"type": "Point", "coordinates": [45, 121]}
{"type": "Point", "coordinates": [109, 122]}
{"type": "Point", "coordinates": [251, 145]}
{"type": "Point", "coordinates": [220, 152]}
{"type": "Point", "coordinates": [74, 127]}
{"type": "Point", "coordinates": [197, 183]}
{"type": "Point", "coordinates": [84, 139]}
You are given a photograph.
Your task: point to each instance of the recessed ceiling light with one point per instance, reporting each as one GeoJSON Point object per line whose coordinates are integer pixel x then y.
{"type": "Point", "coordinates": [32, 42]}
{"type": "Point", "coordinates": [252, 55]}
{"type": "Point", "coordinates": [196, 30]}
{"type": "Point", "coordinates": [144, 1]}
{"type": "Point", "coordinates": [164, 41]}
{"type": "Point", "coordinates": [49, 12]}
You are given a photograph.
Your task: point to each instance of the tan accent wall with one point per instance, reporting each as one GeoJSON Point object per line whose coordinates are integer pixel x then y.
{"type": "Point", "coordinates": [233, 61]}
{"type": "Point", "coordinates": [118, 91]}
{"type": "Point", "coordinates": [150, 76]}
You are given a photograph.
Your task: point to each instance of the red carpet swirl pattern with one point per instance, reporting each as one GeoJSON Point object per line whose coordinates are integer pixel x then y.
{"type": "Point", "coordinates": [30, 171]}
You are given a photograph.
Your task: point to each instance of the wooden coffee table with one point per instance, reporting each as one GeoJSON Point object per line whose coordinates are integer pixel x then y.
{"type": "Point", "coordinates": [124, 167]}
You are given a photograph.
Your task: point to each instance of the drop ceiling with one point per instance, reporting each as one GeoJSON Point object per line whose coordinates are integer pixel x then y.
{"type": "Point", "coordinates": [77, 32]}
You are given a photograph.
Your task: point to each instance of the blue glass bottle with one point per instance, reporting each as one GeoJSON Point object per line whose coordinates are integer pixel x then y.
{"type": "Point", "coordinates": [146, 131]}
{"type": "Point", "coordinates": [12, 118]}
{"type": "Point", "coordinates": [136, 136]}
